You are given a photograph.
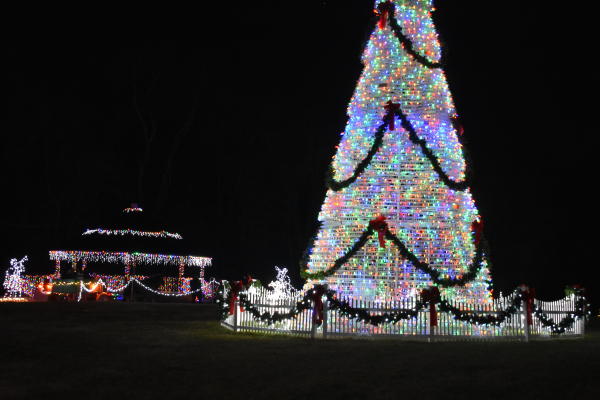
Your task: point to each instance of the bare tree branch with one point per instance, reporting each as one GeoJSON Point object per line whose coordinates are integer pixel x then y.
{"type": "Point", "coordinates": [181, 134]}
{"type": "Point", "coordinates": [149, 132]}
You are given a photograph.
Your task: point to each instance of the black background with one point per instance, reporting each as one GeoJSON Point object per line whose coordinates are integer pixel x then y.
{"type": "Point", "coordinates": [266, 86]}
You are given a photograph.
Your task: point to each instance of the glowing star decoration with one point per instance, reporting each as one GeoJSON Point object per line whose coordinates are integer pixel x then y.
{"type": "Point", "coordinates": [400, 181]}
{"type": "Point", "coordinates": [133, 209]}
{"type": "Point", "coordinates": [14, 280]}
{"type": "Point", "coordinates": [131, 232]}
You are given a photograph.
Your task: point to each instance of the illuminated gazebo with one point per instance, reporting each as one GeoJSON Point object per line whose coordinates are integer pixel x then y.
{"type": "Point", "coordinates": [132, 249]}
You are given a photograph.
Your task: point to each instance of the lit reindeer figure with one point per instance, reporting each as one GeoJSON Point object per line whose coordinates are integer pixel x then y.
{"type": "Point", "coordinates": [281, 286]}
{"type": "Point", "coordinates": [13, 280]}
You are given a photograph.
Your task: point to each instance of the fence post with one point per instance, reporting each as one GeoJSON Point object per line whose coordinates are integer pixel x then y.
{"type": "Point", "coordinates": [313, 330]}
{"type": "Point", "coordinates": [235, 316]}
{"type": "Point", "coordinates": [325, 309]}
{"type": "Point", "coordinates": [581, 321]}
{"type": "Point", "coordinates": [313, 325]}
{"type": "Point", "coordinates": [431, 327]}
{"type": "Point", "coordinates": [525, 322]}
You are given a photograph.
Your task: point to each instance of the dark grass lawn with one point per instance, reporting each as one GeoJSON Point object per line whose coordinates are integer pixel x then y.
{"type": "Point", "coordinates": [121, 351]}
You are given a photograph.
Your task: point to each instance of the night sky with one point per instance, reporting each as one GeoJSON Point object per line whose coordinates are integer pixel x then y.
{"type": "Point", "coordinates": [246, 102]}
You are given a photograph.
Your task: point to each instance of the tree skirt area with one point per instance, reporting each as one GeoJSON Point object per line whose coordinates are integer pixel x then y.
{"type": "Point", "coordinates": [122, 350]}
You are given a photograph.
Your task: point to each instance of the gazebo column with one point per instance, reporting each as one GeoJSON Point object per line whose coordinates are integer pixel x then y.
{"type": "Point", "coordinates": [127, 269]}
{"type": "Point", "coordinates": [74, 265]}
{"type": "Point", "coordinates": [181, 272]}
{"type": "Point", "coordinates": [57, 269]}
{"type": "Point", "coordinates": [201, 277]}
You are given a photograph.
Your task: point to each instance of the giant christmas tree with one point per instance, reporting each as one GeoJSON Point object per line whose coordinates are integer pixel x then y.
{"type": "Point", "coordinates": [400, 173]}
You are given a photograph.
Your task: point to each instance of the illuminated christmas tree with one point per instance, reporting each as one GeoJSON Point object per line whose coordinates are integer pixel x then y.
{"type": "Point", "coordinates": [400, 173]}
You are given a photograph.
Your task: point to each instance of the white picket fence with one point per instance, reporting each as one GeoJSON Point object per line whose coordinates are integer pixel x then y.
{"type": "Point", "coordinates": [336, 325]}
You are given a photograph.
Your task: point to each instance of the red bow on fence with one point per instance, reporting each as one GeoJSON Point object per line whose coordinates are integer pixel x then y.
{"type": "Point", "coordinates": [236, 288]}
{"type": "Point", "coordinates": [431, 295]}
{"type": "Point", "coordinates": [318, 292]}
{"type": "Point", "coordinates": [529, 297]}
{"type": "Point", "coordinates": [378, 224]}
{"type": "Point", "coordinates": [477, 229]}
{"type": "Point", "coordinates": [390, 116]}
{"type": "Point", "coordinates": [384, 10]}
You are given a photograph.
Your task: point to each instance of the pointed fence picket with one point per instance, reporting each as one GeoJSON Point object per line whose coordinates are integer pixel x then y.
{"type": "Point", "coordinates": [336, 325]}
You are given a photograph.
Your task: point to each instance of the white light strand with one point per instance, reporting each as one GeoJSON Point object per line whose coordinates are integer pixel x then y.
{"type": "Point", "coordinates": [125, 258]}
{"type": "Point", "coordinates": [124, 232]}
{"type": "Point", "coordinates": [166, 294]}
{"type": "Point", "coordinates": [99, 282]}
{"type": "Point", "coordinates": [111, 290]}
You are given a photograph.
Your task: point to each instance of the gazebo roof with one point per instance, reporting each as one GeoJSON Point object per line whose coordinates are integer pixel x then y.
{"type": "Point", "coordinates": [132, 237]}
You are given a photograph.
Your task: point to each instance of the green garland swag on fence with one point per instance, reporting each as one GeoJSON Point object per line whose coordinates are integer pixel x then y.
{"type": "Point", "coordinates": [269, 318]}
{"type": "Point", "coordinates": [303, 304]}
{"type": "Point", "coordinates": [434, 274]}
{"type": "Point", "coordinates": [488, 319]}
{"type": "Point", "coordinates": [566, 322]}
{"type": "Point", "coordinates": [362, 315]}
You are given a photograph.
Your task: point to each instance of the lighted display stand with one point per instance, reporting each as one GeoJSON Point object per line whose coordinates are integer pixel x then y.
{"type": "Point", "coordinates": [131, 254]}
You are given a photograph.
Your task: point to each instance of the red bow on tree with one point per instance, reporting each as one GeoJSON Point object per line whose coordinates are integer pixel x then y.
{"type": "Point", "coordinates": [378, 224]}
{"type": "Point", "coordinates": [236, 288]}
{"type": "Point", "coordinates": [384, 10]}
{"type": "Point", "coordinates": [477, 229]}
{"type": "Point", "coordinates": [390, 116]}
{"type": "Point", "coordinates": [529, 296]}
{"type": "Point", "coordinates": [318, 292]}
{"type": "Point", "coordinates": [431, 295]}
